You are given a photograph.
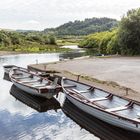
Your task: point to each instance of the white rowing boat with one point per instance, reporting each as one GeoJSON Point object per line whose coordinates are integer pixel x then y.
{"type": "Point", "coordinates": [34, 84]}
{"type": "Point", "coordinates": [113, 109]}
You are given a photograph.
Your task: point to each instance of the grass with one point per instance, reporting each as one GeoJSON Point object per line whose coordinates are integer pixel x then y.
{"type": "Point", "coordinates": [66, 42]}
{"type": "Point", "coordinates": [69, 40]}
{"type": "Point", "coordinates": [34, 48]}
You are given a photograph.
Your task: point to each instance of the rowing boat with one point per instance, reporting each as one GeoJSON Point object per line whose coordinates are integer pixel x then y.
{"type": "Point", "coordinates": [110, 108]}
{"type": "Point", "coordinates": [98, 128]}
{"type": "Point", "coordinates": [33, 83]}
{"type": "Point", "coordinates": [7, 68]}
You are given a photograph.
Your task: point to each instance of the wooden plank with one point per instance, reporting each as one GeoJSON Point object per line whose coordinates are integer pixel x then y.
{"type": "Point", "coordinates": [137, 119]}
{"type": "Point", "coordinates": [23, 77]}
{"type": "Point", "coordinates": [81, 91]}
{"type": "Point", "coordinates": [117, 108]}
{"type": "Point", "coordinates": [31, 81]}
{"type": "Point", "coordinates": [69, 86]}
{"type": "Point", "coordinates": [98, 99]}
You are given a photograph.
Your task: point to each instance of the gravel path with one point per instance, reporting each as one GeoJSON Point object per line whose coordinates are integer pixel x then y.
{"type": "Point", "coordinates": [124, 71]}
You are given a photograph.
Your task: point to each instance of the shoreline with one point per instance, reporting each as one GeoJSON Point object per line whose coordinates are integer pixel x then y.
{"type": "Point", "coordinates": [4, 53]}
{"type": "Point", "coordinates": [102, 73]}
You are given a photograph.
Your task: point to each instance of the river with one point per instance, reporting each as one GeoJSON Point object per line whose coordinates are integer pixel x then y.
{"type": "Point", "coordinates": [19, 121]}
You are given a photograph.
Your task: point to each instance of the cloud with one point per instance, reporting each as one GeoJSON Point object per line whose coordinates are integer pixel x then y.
{"type": "Point", "coordinates": [33, 22]}
{"type": "Point", "coordinates": [51, 13]}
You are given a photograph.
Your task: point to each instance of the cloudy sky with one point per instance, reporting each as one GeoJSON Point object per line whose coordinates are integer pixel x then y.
{"type": "Point", "coordinates": [40, 14]}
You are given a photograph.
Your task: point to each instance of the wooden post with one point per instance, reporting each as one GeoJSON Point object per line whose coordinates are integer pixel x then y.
{"type": "Point", "coordinates": [44, 67]}
{"type": "Point", "coordinates": [78, 78]}
{"type": "Point", "coordinates": [127, 91]}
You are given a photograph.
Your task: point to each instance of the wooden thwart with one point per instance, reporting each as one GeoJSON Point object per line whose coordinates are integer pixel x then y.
{"type": "Point", "coordinates": [69, 86]}
{"type": "Point", "coordinates": [98, 99]}
{"type": "Point", "coordinates": [23, 77]}
{"type": "Point", "coordinates": [129, 105]}
{"type": "Point", "coordinates": [117, 108]}
{"type": "Point", "coordinates": [81, 91]}
{"type": "Point", "coordinates": [32, 81]}
{"type": "Point", "coordinates": [101, 98]}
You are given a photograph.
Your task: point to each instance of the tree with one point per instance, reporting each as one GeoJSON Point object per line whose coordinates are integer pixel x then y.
{"type": "Point", "coordinates": [85, 27]}
{"type": "Point", "coordinates": [102, 43]}
{"type": "Point", "coordinates": [51, 39]}
{"type": "Point", "coordinates": [4, 39]}
{"type": "Point", "coordinates": [129, 33]}
{"type": "Point", "coordinates": [15, 38]}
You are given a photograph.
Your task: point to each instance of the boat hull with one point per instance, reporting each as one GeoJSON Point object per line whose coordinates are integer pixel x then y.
{"type": "Point", "coordinates": [7, 68]}
{"type": "Point", "coordinates": [48, 94]}
{"type": "Point", "coordinates": [105, 116]}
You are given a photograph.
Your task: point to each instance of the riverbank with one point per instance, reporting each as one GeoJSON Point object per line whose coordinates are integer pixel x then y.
{"type": "Point", "coordinates": [8, 53]}
{"type": "Point", "coordinates": [115, 74]}
{"type": "Point", "coordinates": [2, 53]}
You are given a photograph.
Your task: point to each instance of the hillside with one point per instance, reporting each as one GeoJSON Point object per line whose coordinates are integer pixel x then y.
{"type": "Point", "coordinates": [85, 27]}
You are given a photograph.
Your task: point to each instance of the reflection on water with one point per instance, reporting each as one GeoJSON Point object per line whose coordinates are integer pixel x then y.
{"type": "Point", "coordinates": [38, 103]}
{"type": "Point", "coordinates": [74, 47]}
{"type": "Point", "coordinates": [18, 121]}
{"type": "Point", "coordinates": [71, 55]}
{"type": "Point", "coordinates": [25, 59]}
{"type": "Point", "coordinates": [6, 77]}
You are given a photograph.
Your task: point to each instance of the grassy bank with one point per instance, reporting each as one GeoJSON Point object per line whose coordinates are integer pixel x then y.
{"type": "Point", "coordinates": [34, 48]}
{"type": "Point", "coordinates": [69, 40]}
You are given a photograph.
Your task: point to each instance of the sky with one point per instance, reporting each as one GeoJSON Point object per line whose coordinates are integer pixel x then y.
{"type": "Point", "coordinates": [41, 14]}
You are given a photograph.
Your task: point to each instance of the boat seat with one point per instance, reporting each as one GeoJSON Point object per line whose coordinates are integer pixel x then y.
{"type": "Point", "coordinates": [38, 85]}
{"type": "Point", "coordinates": [30, 81]}
{"type": "Point", "coordinates": [84, 91]}
{"type": "Point", "coordinates": [19, 77]}
{"type": "Point", "coordinates": [101, 98]}
{"type": "Point", "coordinates": [69, 86]}
{"type": "Point", "coordinates": [17, 74]}
{"type": "Point", "coordinates": [138, 114]}
{"type": "Point", "coordinates": [129, 105]}
{"type": "Point", "coordinates": [81, 91]}
{"type": "Point", "coordinates": [52, 85]}
{"type": "Point", "coordinates": [98, 99]}
{"type": "Point", "coordinates": [117, 108]}
{"type": "Point", "coordinates": [137, 119]}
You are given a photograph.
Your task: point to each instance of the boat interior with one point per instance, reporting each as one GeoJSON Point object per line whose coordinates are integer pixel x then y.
{"type": "Point", "coordinates": [104, 100]}
{"type": "Point", "coordinates": [32, 80]}
{"type": "Point", "coordinates": [8, 67]}
{"type": "Point", "coordinates": [37, 81]}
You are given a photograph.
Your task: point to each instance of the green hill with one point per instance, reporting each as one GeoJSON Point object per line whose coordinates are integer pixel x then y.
{"type": "Point", "coordinates": [85, 27]}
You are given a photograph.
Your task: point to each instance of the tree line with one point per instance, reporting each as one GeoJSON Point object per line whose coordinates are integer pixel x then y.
{"type": "Point", "coordinates": [16, 38]}
{"type": "Point", "coordinates": [88, 26]}
{"type": "Point", "coordinates": [124, 40]}
{"type": "Point", "coordinates": [27, 41]}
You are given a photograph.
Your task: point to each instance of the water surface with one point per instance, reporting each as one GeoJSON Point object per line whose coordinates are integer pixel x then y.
{"type": "Point", "coordinates": [19, 121]}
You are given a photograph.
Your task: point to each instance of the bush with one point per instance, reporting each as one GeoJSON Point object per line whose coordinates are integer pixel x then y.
{"type": "Point", "coordinates": [102, 43]}
{"type": "Point", "coordinates": [129, 33]}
